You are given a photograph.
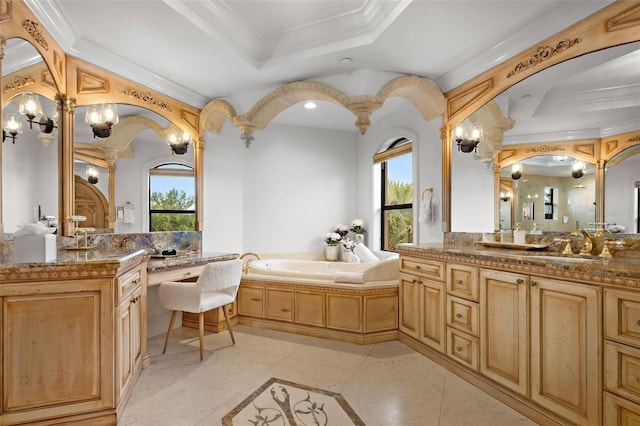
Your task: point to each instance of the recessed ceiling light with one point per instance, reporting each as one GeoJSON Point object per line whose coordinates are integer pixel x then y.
{"type": "Point", "coordinates": [310, 105]}
{"type": "Point", "coordinates": [346, 60]}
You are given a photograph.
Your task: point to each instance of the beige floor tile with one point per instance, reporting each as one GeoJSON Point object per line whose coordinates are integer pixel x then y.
{"type": "Point", "coordinates": [387, 384]}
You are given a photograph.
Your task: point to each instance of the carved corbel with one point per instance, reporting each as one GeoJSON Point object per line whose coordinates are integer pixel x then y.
{"type": "Point", "coordinates": [362, 107]}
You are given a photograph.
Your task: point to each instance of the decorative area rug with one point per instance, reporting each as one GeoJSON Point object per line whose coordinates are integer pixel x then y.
{"type": "Point", "coordinates": [282, 403]}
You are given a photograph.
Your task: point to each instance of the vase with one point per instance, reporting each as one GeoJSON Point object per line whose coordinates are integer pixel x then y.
{"type": "Point", "coordinates": [332, 252]}
{"type": "Point", "coordinates": [359, 238]}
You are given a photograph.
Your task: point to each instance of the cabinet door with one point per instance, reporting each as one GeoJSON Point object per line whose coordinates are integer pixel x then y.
{"type": "Point", "coordinates": [620, 412]}
{"type": "Point", "coordinates": [251, 301]}
{"type": "Point", "coordinates": [409, 293]}
{"type": "Point", "coordinates": [565, 350]}
{"type": "Point", "coordinates": [309, 307]}
{"type": "Point", "coordinates": [136, 327]}
{"type": "Point", "coordinates": [125, 363]}
{"type": "Point", "coordinates": [504, 321]}
{"type": "Point", "coordinates": [432, 315]}
{"type": "Point", "coordinates": [344, 312]}
{"type": "Point", "coordinates": [279, 304]}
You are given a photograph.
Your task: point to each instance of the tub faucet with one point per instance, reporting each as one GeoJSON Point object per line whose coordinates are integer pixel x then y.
{"type": "Point", "coordinates": [245, 265]}
{"type": "Point", "coordinates": [588, 241]}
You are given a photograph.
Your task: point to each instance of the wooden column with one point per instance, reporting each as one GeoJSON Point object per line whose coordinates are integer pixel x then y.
{"type": "Point", "coordinates": [198, 158]}
{"type": "Point", "coordinates": [66, 110]}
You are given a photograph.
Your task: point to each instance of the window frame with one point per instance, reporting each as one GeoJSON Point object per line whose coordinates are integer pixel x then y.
{"type": "Point", "coordinates": [186, 171]}
{"type": "Point", "coordinates": [399, 147]}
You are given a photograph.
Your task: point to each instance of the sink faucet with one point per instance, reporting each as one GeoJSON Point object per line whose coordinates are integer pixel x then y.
{"type": "Point", "coordinates": [588, 241]}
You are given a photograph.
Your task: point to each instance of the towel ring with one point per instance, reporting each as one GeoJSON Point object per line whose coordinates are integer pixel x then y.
{"type": "Point", "coordinates": [430, 191]}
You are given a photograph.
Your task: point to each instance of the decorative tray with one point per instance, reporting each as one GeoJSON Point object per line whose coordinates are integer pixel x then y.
{"type": "Point", "coordinates": [498, 244]}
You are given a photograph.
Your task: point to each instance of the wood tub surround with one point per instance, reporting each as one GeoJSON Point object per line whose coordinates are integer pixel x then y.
{"type": "Point", "coordinates": [73, 336]}
{"type": "Point", "coordinates": [352, 313]}
{"type": "Point", "coordinates": [558, 340]}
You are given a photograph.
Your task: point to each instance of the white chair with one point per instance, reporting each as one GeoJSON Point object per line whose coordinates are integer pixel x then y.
{"type": "Point", "coordinates": [217, 286]}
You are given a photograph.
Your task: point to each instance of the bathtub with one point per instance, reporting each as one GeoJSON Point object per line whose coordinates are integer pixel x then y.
{"type": "Point", "coordinates": [321, 272]}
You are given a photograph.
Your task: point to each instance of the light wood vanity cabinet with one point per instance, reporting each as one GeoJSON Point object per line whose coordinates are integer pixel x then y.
{"type": "Point", "coordinates": [534, 338]}
{"type": "Point", "coordinates": [422, 301]}
{"type": "Point", "coordinates": [71, 349]}
{"type": "Point", "coordinates": [621, 357]}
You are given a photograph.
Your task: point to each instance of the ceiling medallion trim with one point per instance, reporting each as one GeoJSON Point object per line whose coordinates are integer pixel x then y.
{"type": "Point", "coordinates": [33, 28]}
{"type": "Point", "coordinates": [542, 54]}
{"type": "Point", "coordinates": [545, 148]}
{"type": "Point", "coordinates": [147, 98]}
{"type": "Point", "coordinates": [18, 82]}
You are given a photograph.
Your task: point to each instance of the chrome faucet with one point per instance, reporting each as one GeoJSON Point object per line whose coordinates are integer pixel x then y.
{"type": "Point", "coordinates": [588, 241]}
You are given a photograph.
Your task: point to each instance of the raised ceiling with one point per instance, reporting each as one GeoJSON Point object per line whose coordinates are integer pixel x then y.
{"type": "Point", "coordinates": [239, 50]}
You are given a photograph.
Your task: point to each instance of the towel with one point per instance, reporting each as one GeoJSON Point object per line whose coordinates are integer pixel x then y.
{"type": "Point", "coordinates": [365, 255]}
{"type": "Point", "coordinates": [349, 277]}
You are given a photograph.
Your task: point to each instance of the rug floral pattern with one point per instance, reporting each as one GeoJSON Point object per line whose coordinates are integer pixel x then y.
{"type": "Point", "coordinates": [282, 403]}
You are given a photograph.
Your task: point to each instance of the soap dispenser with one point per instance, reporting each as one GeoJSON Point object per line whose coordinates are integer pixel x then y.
{"type": "Point", "coordinates": [518, 235]}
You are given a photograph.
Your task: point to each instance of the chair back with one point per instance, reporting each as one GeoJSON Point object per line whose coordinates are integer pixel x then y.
{"type": "Point", "coordinates": [222, 277]}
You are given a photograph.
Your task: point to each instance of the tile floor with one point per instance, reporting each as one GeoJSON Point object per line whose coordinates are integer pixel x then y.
{"type": "Point", "coordinates": [385, 383]}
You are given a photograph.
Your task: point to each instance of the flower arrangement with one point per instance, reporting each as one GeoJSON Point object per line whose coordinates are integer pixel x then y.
{"type": "Point", "coordinates": [332, 238]}
{"type": "Point", "coordinates": [342, 230]}
{"type": "Point", "coordinates": [357, 226]}
{"type": "Point", "coordinates": [349, 244]}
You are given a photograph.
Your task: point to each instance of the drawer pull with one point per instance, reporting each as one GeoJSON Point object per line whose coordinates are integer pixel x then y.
{"type": "Point", "coordinates": [533, 283]}
{"type": "Point", "coordinates": [135, 282]}
{"type": "Point", "coordinates": [458, 315]}
{"type": "Point", "coordinates": [418, 267]}
{"type": "Point", "coordinates": [415, 280]}
{"type": "Point", "coordinates": [255, 299]}
{"type": "Point", "coordinates": [458, 348]}
{"type": "Point", "coordinates": [285, 310]}
{"type": "Point", "coordinates": [187, 274]}
{"type": "Point", "coordinates": [519, 281]}
{"type": "Point", "coordinates": [638, 322]}
{"type": "Point", "coordinates": [458, 282]}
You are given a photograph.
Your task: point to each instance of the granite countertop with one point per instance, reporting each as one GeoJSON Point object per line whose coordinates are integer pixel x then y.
{"type": "Point", "coordinates": [616, 271]}
{"type": "Point", "coordinates": [185, 260]}
{"type": "Point", "coordinates": [72, 264]}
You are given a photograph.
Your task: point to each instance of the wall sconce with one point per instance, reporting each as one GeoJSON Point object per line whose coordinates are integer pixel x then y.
{"type": "Point", "coordinates": [12, 128]}
{"type": "Point", "coordinates": [30, 107]}
{"type": "Point", "coordinates": [505, 196]}
{"type": "Point", "coordinates": [578, 169]}
{"type": "Point", "coordinates": [92, 174]}
{"type": "Point", "coordinates": [179, 146]}
{"type": "Point", "coordinates": [516, 171]}
{"type": "Point", "coordinates": [101, 118]}
{"type": "Point", "coordinates": [467, 141]}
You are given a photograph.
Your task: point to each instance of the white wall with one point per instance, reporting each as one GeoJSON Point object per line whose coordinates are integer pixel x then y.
{"type": "Point", "coordinates": [471, 193]}
{"type": "Point", "coordinates": [619, 202]}
{"type": "Point", "coordinates": [30, 178]}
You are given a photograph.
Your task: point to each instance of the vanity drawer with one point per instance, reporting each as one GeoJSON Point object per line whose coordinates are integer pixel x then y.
{"type": "Point", "coordinates": [619, 411]}
{"type": "Point", "coordinates": [622, 316]}
{"type": "Point", "coordinates": [462, 281]}
{"type": "Point", "coordinates": [462, 348]}
{"type": "Point", "coordinates": [127, 283]}
{"type": "Point", "coordinates": [178, 274]}
{"type": "Point", "coordinates": [622, 370]}
{"type": "Point", "coordinates": [463, 315]}
{"type": "Point", "coordinates": [427, 268]}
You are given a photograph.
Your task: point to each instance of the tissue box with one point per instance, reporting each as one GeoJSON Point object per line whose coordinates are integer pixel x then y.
{"type": "Point", "coordinates": [34, 248]}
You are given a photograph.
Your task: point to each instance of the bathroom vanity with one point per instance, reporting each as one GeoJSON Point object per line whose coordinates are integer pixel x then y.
{"type": "Point", "coordinates": [557, 338]}
{"type": "Point", "coordinates": [73, 336]}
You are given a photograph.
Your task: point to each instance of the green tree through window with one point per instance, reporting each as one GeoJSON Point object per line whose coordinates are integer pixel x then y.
{"type": "Point", "coordinates": [172, 198]}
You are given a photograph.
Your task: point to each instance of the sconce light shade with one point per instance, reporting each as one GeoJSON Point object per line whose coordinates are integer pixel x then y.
{"type": "Point", "coordinates": [92, 174]}
{"type": "Point", "coordinates": [31, 108]}
{"type": "Point", "coordinates": [179, 146]}
{"type": "Point", "coordinates": [578, 169]}
{"type": "Point", "coordinates": [516, 171]}
{"type": "Point", "coordinates": [467, 142]}
{"type": "Point", "coordinates": [12, 128]}
{"type": "Point", "coordinates": [101, 118]}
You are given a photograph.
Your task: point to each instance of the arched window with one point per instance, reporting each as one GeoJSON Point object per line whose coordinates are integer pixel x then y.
{"type": "Point", "coordinates": [172, 189]}
{"type": "Point", "coordinates": [396, 198]}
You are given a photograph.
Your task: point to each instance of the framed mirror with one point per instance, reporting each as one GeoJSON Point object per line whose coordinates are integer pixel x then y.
{"type": "Point", "coordinates": [565, 111]}
{"type": "Point", "coordinates": [137, 144]}
{"type": "Point", "coordinates": [30, 148]}
{"type": "Point", "coordinates": [622, 191]}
